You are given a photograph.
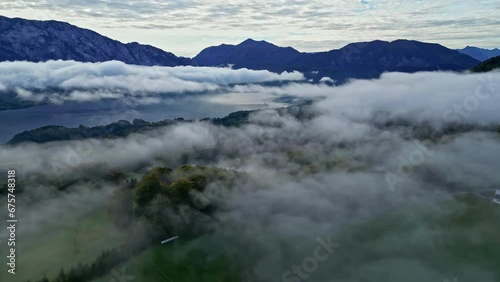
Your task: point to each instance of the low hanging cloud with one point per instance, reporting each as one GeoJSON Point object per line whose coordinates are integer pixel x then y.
{"type": "Point", "coordinates": [437, 97]}
{"type": "Point", "coordinates": [343, 114]}
{"type": "Point", "coordinates": [60, 81]}
{"type": "Point", "coordinates": [320, 176]}
{"type": "Point", "coordinates": [431, 96]}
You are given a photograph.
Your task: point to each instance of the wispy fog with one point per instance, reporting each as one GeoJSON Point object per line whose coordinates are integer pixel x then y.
{"type": "Point", "coordinates": [310, 177]}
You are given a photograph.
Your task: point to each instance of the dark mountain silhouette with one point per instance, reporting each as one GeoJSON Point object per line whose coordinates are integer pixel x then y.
{"type": "Point", "coordinates": [30, 40]}
{"type": "Point", "coordinates": [356, 60]}
{"type": "Point", "coordinates": [480, 53]}
{"type": "Point", "coordinates": [248, 54]}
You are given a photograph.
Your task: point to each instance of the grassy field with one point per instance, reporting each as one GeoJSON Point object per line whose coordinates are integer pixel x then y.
{"type": "Point", "coordinates": [172, 262]}
{"type": "Point", "coordinates": [462, 240]}
{"type": "Point", "coordinates": [466, 235]}
{"type": "Point", "coordinates": [63, 247]}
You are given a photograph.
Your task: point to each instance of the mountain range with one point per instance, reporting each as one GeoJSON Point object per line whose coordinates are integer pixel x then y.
{"type": "Point", "coordinates": [356, 60]}
{"type": "Point", "coordinates": [31, 40]}
{"type": "Point", "coordinates": [480, 53]}
{"type": "Point", "coordinates": [35, 41]}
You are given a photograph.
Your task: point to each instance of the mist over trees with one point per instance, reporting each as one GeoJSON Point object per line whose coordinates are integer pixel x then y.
{"type": "Point", "coordinates": [388, 169]}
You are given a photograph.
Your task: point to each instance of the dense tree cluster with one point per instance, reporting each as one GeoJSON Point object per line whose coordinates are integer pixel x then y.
{"type": "Point", "coordinates": [171, 201]}
{"type": "Point", "coordinates": [179, 185]}
{"type": "Point", "coordinates": [488, 65]}
{"type": "Point", "coordinates": [180, 201]}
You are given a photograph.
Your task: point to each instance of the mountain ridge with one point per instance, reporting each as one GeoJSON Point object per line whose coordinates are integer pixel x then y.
{"type": "Point", "coordinates": [355, 60]}
{"type": "Point", "coordinates": [480, 54]}
{"type": "Point", "coordinates": [254, 55]}
{"type": "Point", "coordinates": [31, 40]}
{"type": "Point", "coordinates": [36, 41]}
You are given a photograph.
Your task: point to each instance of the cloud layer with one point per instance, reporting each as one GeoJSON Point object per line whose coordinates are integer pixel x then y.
{"type": "Point", "coordinates": [114, 80]}
{"type": "Point", "coordinates": [326, 174]}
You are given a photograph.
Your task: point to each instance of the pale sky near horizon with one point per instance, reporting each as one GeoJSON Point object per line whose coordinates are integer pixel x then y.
{"type": "Point", "coordinates": [185, 27]}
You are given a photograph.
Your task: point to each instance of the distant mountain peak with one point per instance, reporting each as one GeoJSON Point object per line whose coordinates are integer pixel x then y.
{"type": "Point", "coordinates": [255, 43]}
{"type": "Point", "coordinates": [480, 54]}
{"type": "Point", "coordinates": [35, 41]}
{"type": "Point", "coordinates": [250, 41]}
{"type": "Point", "coordinates": [250, 53]}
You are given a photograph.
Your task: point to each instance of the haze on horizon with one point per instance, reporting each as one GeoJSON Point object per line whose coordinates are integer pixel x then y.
{"type": "Point", "coordinates": [185, 27]}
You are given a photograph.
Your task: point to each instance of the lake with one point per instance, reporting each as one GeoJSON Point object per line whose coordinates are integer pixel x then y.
{"type": "Point", "coordinates": [105, 112]}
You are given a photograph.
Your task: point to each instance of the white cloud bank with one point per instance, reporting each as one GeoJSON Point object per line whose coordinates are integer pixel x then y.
{"type": "Point", "coordinates": [344, 114]}
{"type": "Point", "coordinates": [437, 97]}
{"type": "Point", "coordinates": [37, 81]}
{"type": "Point", "coordinates": [425, 95]}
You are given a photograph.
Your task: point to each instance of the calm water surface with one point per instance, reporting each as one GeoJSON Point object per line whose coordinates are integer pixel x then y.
{"type": "Point", "coordinates": [100, 113]}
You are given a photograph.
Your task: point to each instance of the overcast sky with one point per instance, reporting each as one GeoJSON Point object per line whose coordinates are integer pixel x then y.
{"type": "Point", "coordinates": [185, 27]}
